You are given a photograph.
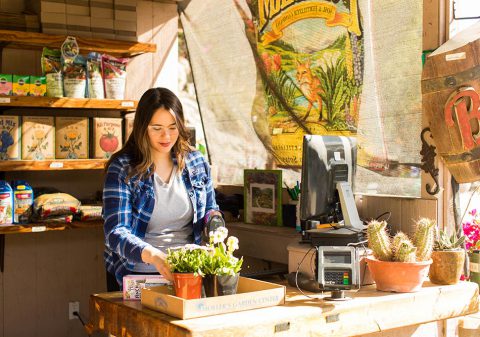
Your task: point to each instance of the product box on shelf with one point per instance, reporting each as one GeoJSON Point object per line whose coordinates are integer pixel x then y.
{"type": "Point", "coordinates": [251, 294]}
{"type": "Point", "coordinates": [71, 137]}
{"type": "Point", "coordinates": [10, 137]}
{"type": "Point", "coordinates": [38, 138]}
{"type": "Point", "coordinates": [107, 137]}
{"type": "Point", "coordinates": [38, 86]}
{"type": "Point", "coordinates": [6, 84]}
{"type": "Point", "coordinates": [133, 284]}
{"type": "Point", "coordinates": [129, 118]}
{"type": "Point", "coordinates": [20, 85]}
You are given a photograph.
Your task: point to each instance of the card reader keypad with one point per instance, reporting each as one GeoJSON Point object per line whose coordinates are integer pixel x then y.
{"type": "Point", "coordinates": [337, 277]}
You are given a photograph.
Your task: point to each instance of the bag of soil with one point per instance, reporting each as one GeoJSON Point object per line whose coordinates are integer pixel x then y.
{"type": "Point", "coordinates": [94, 76]}
{"type": "Point", "coordinates": [52, 69]}
{"type": "Point", "coordinates": [114, 76]}
{"type": "Point", "coordinates": [75, 77]}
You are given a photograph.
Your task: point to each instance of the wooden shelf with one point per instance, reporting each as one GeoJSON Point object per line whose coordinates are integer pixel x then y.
{"type": "Point", "coordinates": [54, 164]}
{"type": "Point", "coordinates": [28, 40]}
{"type": "Point", "coordinates": [44, 227]}
{"type": "Point", "coordinates": [67, 103]}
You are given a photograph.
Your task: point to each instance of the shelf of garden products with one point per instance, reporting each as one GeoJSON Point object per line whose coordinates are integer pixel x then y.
{"type": "Point", "coordinates": [44, 227]}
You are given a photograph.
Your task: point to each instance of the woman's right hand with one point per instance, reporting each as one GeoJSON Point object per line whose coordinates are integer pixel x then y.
{"type": "Point", "coordinates": [156, 257]}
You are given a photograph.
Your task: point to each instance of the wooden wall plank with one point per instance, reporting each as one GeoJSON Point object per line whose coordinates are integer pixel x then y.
{"type": "Point", "coordinates": [431, 24]}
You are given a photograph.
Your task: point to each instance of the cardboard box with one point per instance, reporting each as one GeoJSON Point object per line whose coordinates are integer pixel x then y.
{"type": "Point", "coordinates": [71, 137]}
{"type": "Point", "coordinates": [6, 85]}
{"type": "Point", "coordinates": [107, 137]}
{"type": "Point", "coordinates": [20, 85]}
{"type": "Point", "coordinates": [251, 294]}
{"type": "Point", "coordinates": [38, 86]}
{"type": "Point", "coordinates": [10, 137]}
{"type": "Point", "coordinates": [133, 285]}
{"type": "Point", "coordinates": [38, 138]}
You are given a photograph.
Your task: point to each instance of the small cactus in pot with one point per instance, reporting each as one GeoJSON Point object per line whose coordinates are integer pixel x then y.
{"type": "Point", "coordinates": [401, 263]}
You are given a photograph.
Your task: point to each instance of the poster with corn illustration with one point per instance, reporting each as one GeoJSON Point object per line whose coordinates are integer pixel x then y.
{"type": "Point", "coordinates": [309, 56]}
{"type": "Point", "coordinates": [38, 138]}
{"type": "Point", "coordinates": [71, 138]}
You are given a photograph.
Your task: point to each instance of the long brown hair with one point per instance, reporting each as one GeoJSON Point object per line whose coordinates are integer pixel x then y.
{"type": "Point", "coordinates": [138, 144]}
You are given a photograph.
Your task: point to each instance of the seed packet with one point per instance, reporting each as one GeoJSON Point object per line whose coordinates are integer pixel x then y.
{"type": "Point", "coordinates": [38, 137]}
{"type": "Point", "coordinates": [114, 76]}
{"type": "Point", "coordinates": [94, 76]}
{"type": "Point", "coordinates": [6, 84]}
{"type": "Point", "coordinates": [107, 137]}
{"type": "Point", "coordinates": [52, 69]}
{"type": "Point", "coordinates": [71, 137]}
{"type": "Point", "coordinates": [20, 85]}
{"type": "Point", "coordinates": [38, 86]}
{"type": "Point", "coordinates": [75, 77]}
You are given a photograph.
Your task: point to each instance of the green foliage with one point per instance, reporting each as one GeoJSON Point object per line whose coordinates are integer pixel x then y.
{"type": "Point", "coordinates": [424, 238]}
{"type": "Point", "coordinates": [446, 242]}
{"type": "Point", "coordinates": [187, 259]}
{"type": "Point", "coordinates": [284, 86]}
{"type": "Point", "coordinates": [336, 92]}
{"type": "Point", "coordinates": [220, 259]}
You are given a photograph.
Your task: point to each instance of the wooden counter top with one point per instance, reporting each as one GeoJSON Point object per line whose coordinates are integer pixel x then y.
{"type": "Point", "coordinates": [369, 311]}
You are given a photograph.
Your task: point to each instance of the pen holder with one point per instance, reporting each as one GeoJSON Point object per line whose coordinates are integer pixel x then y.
{"type": "Point", "coordinates": [289, 214]}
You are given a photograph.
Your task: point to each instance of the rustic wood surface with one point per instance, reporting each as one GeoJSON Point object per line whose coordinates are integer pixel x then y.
{"type": "Point", "coordinates": [369, 311]}
{"type": "Point", "coordinates": [44, 227]}
{"type": "Point", "coordinates": [29, 40]}
{"type": "Point", "coordinates": [67, 103]}
{"type": "Point", "coordinates": [53, 164]}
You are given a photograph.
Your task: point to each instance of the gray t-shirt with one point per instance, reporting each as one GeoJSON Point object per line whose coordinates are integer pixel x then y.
{"type": "Point", "coordinates": [171, 221]}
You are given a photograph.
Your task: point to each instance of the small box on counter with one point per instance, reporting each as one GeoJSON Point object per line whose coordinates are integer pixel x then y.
{"type": "Point", "coordinates": [38, 138]}
{"type": "Point", "coordinates": [20, 85]}
{"type": "Point", "coordinates": [71, 137]}
{"type": "Point", "coordinates": [133, 285]}
{"type": "Point", "coordinates": [6, 84]}
{"type": "Point", "coordinates": [107, 137]}
{"type": "Point", "coordinates": [38, 86]}
{"type": "Point", "coordinates": [251, 294]}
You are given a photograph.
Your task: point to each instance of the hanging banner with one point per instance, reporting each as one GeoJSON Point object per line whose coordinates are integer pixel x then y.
{"type": "Point", "coordinates": [310, 58]}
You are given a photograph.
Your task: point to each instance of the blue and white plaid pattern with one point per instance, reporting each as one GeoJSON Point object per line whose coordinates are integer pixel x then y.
{"type": "Point", "coordinates": [127, 208]}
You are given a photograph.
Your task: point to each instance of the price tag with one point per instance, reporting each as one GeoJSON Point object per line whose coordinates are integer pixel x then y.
{"type": "Point", "coordinates": [128, 104]}
{"type": "Point", "coordinates": [36, 229]}
{"type": "Point", "coordinates": [4, 99]}
{"type": "Point", "coordinates": [56, 164]}
{"type": "Point", "coordinates": [337, 156]}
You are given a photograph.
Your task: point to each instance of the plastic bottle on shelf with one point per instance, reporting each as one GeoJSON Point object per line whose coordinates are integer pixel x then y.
{"type": "Point", "coordinates": [22, 201]}
{"type": "Point", "coordinates": [6, 203]}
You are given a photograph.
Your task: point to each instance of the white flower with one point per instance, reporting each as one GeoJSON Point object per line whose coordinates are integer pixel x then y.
{"type": "Point", "coordinates": [218, 237]}
{"type": "Point", "coordinates": [232, 243]}
{"type": "Point", "coordinates": [191, 246]}
{"type": "Point", "coordinates": [223, 231]}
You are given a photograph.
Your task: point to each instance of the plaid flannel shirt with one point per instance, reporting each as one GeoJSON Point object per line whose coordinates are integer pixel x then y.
{"type": "Point", "coordinates": [127, 208]}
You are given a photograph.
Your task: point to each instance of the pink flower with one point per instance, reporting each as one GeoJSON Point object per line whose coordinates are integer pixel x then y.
{"type": "Point", "coordinates": [471, 229]}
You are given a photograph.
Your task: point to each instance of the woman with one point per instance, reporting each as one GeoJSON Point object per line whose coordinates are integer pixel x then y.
{"type": "Point", "coordinates": [158, 191]}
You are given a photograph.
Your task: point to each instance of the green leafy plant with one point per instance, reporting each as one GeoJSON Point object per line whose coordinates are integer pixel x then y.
{"type": "Point", "coordinates": [220, 259]}
{"type": "Point", "coordinates": [446, 242]}
{"type": "Point", "coordinates": [187, 259]}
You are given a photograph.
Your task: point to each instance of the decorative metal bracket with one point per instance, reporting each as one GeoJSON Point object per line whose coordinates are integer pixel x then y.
{"type": "Point", "coordinates": [428, 162]}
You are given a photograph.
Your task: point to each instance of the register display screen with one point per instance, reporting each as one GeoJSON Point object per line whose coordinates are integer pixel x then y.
{"type": "Point", "coordinates": [337, 257]}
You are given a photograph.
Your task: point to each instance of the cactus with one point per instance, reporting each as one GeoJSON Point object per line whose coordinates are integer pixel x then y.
{"type": "Point", "coordinates": [424, 238]}
{"type": "Point", "coordinates": [379, 240]}
{"type": "Point", "coordinates": [406, 252]}
{"type": "Point", "coordinates": [398, 239]}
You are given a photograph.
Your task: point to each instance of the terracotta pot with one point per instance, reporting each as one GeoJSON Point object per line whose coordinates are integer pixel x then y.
{"type": "Point", "coordinates": [400, 277]}
{"type": "Point", "coordinates": [187, 285]}
{"type": "Point", "coordinates": [447, 266]}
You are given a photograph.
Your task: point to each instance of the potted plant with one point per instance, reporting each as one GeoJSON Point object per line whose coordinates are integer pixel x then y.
{"type": "Point", "coordinates": [186, 263]}
{"type": "Point", "coordinates": [400, 264]}
{"type": "Point", "coordinates": [471, 229]}
{"type": "Point", "coordinates": [448, 258]}
{"type": "Point", "coordinates": [221, 268]}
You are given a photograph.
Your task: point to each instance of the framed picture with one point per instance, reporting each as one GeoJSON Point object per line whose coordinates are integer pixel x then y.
{"type": "Point", "coordinates": [263, 197]}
